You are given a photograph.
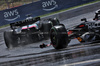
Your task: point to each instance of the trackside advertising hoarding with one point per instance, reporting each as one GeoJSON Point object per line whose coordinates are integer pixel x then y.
{"type": "Point", "coordinates": [38, 8]}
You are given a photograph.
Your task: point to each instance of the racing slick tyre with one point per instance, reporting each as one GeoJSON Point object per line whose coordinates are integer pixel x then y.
{"type": "Point", "coordinates": [59, 37]}
{"type": "Point", "coordinates": [10, 39]}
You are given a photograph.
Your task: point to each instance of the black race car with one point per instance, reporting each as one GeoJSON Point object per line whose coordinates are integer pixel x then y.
{"type": "Point", "coordinates": [28, 31]}
{"type": "Point", "coordinates": [88, 31]}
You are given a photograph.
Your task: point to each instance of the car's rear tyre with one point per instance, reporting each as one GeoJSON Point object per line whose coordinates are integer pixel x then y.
{"type": "Point", "coordinates": [46, 26]}
{"type": "Point", "coordinates": [46, 30]}
{"type": "Point", "coordinates": [59, 37]}
{"type": "Point", "coordinates": [10, 39]}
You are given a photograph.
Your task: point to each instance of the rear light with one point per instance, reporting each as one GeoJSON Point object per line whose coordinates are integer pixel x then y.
{"type": "Point", "coordinates": [70, 32]}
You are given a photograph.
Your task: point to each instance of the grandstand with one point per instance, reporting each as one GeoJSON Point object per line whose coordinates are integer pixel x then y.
{"type": "Point", "coordinates": [6, 4]}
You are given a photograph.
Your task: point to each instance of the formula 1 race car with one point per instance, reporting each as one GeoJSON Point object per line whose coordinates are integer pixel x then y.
{"type": "Point", "coordinates": [87, 31]}
{"type": "Point", "coordinates": [28, 31]}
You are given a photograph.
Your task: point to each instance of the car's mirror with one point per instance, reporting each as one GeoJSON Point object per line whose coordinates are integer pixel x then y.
{"type": "Point", "coordinates": [84, 19]}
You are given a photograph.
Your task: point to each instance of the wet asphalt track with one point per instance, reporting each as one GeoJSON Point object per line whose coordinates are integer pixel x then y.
{"type": "Point", "coordinates": [75, 54]}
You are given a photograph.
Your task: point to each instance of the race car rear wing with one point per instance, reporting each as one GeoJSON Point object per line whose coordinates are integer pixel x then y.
{"type": "Point", "coordinates": [24, 22]}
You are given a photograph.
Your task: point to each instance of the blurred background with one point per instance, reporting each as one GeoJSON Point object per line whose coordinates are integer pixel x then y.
{"type": "Point", "coordinates": [6, 4]}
